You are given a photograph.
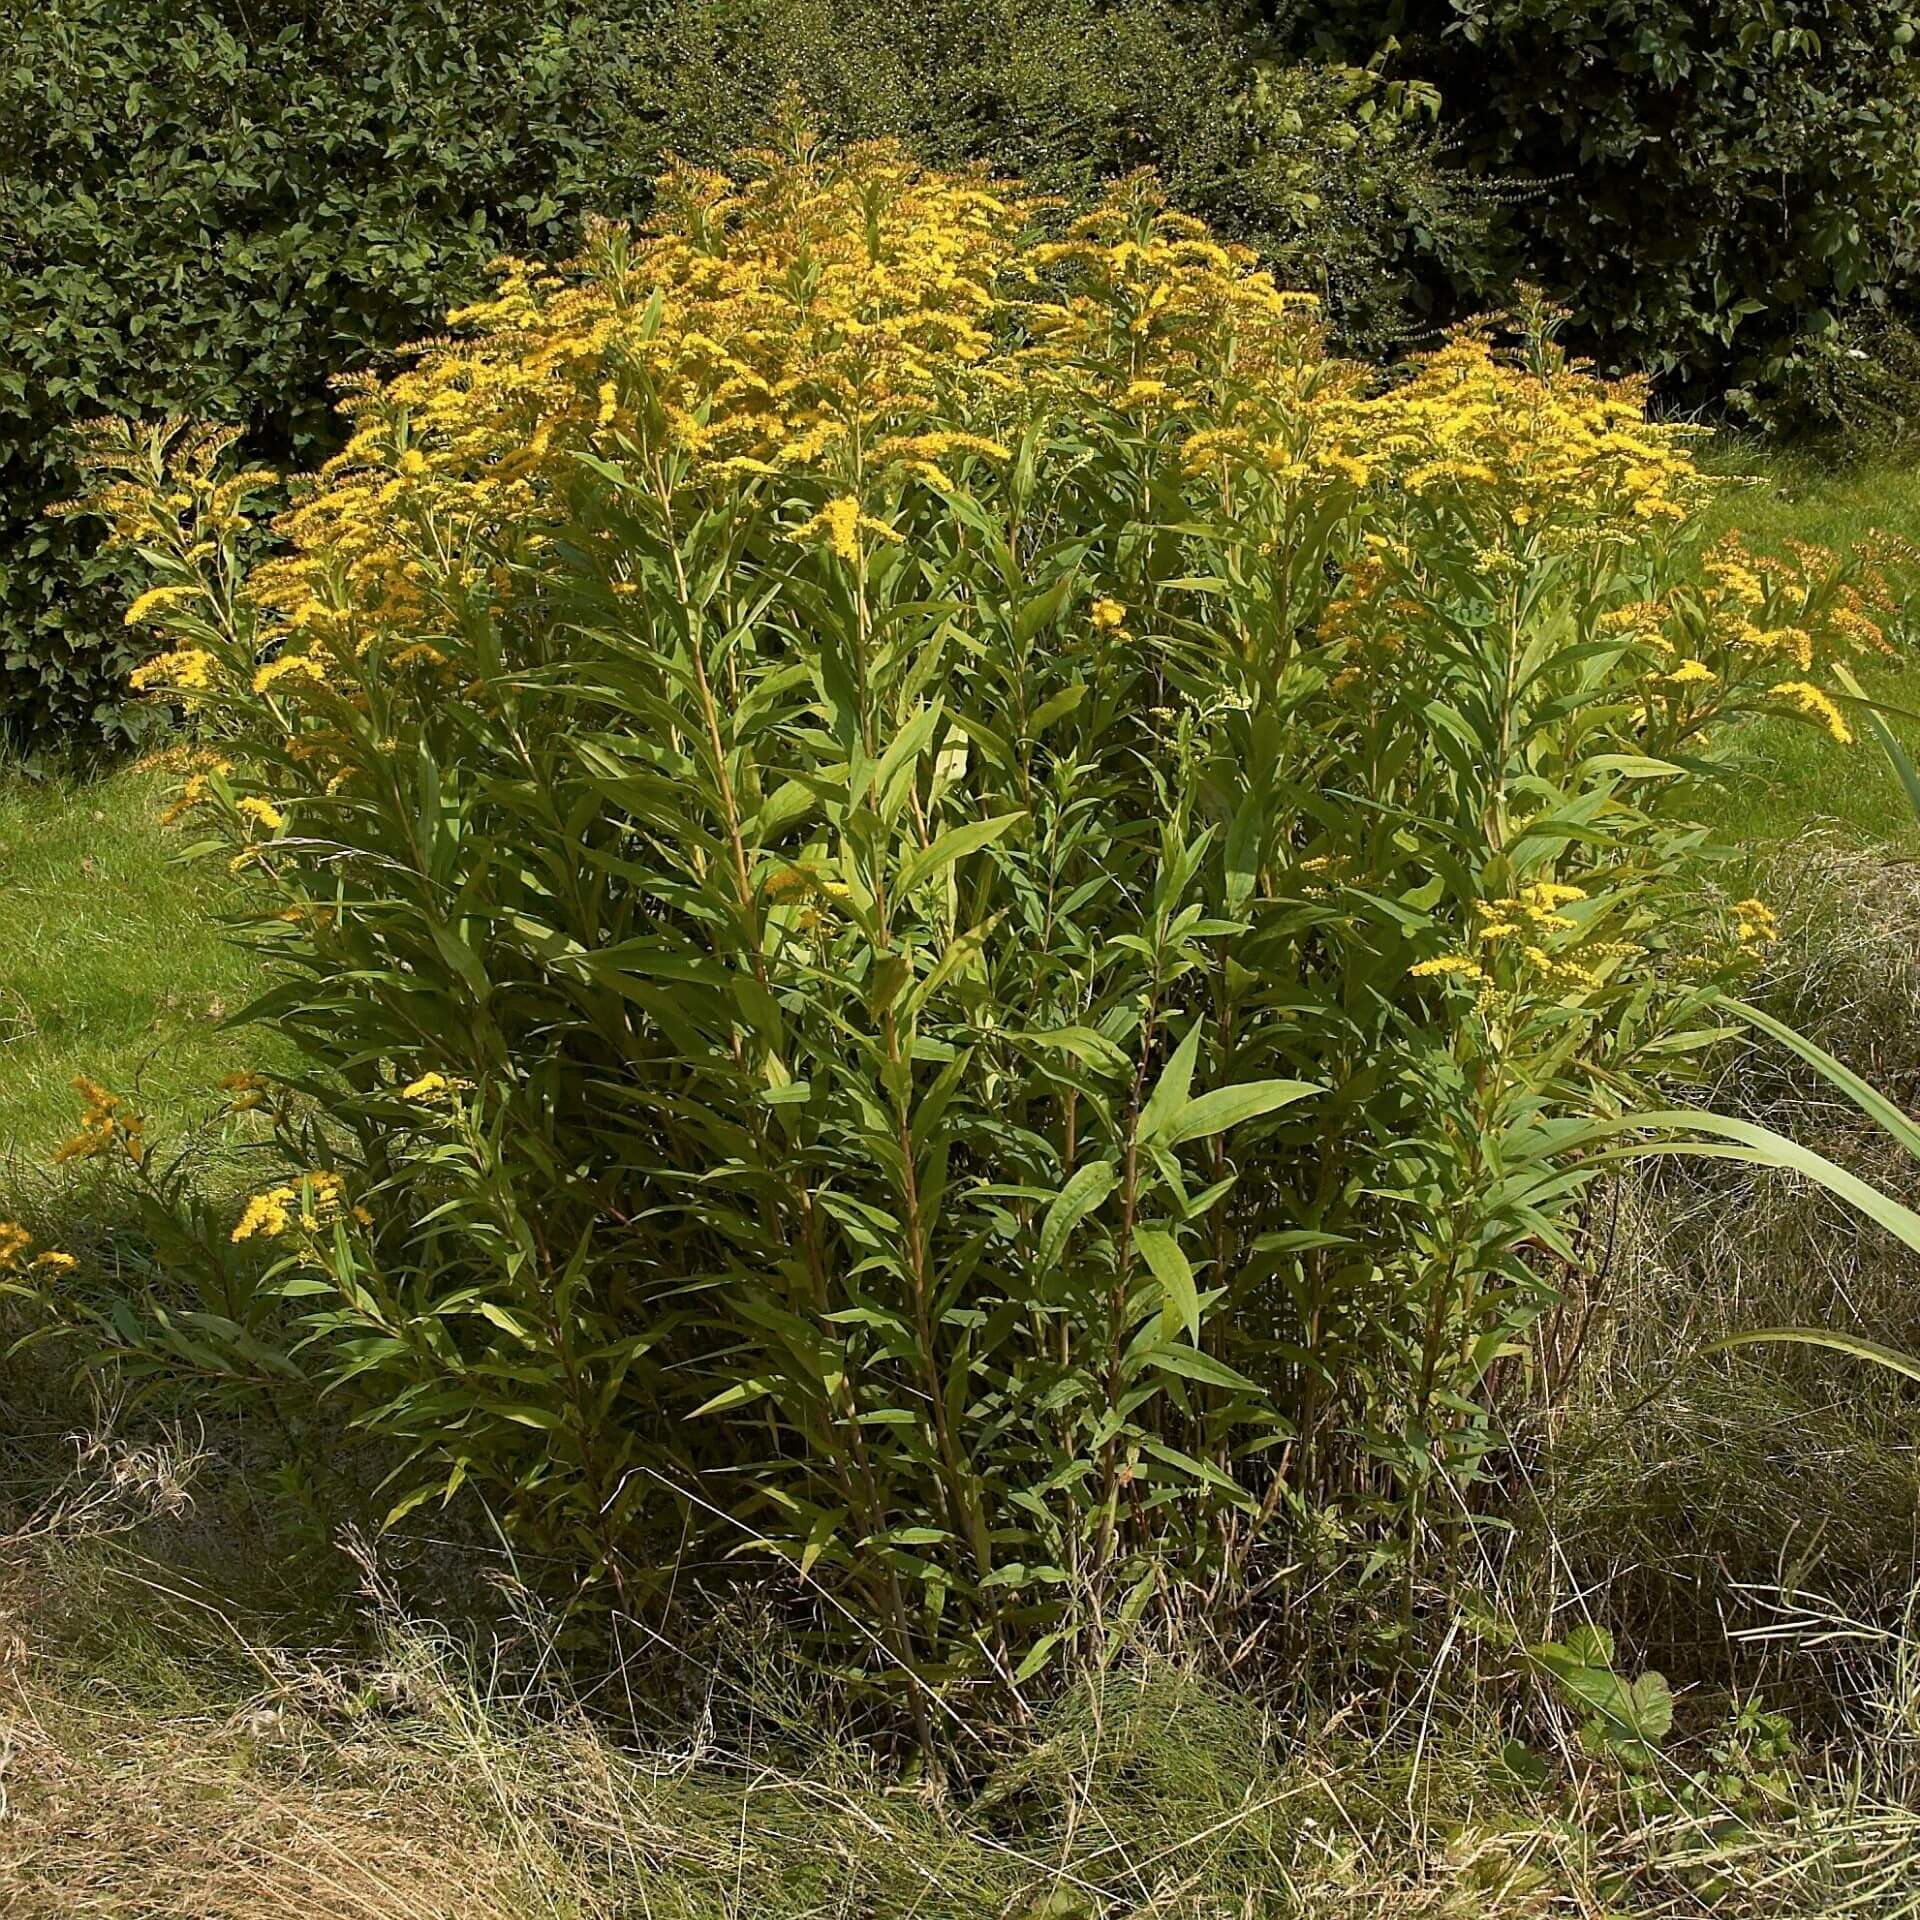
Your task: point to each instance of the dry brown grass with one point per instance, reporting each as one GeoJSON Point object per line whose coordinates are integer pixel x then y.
{"type": "Point", "coordinates": [393, 1789]}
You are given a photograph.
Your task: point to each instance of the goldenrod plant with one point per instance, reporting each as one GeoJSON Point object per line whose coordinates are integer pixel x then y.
{"type": "Point", "coordinates": [955, 909]}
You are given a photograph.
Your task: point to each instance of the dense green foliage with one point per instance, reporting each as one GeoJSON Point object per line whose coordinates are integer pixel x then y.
{"type": "Point", "coordinates": [213, 210]}
{"type": "Point", "coordinates": [946, 918]}
{"type": "Point", "coordinates": [1724, 193]}
{"type": "Point", "coordinates": [954, 908]}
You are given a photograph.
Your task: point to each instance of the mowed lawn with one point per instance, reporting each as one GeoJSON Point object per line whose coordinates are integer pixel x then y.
{"type": "Point", "coordinates": [1791, 776]}
{"type": "Point", "coordinates": [113, 963]}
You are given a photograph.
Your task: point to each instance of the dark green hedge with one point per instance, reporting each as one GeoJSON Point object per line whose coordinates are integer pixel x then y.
{"type": "Point", "coordinates": [209, 212]}
{"type": "Point", "coordinates": [1725, 190]}
{"type": "Point", "coordinates": [212, 208]}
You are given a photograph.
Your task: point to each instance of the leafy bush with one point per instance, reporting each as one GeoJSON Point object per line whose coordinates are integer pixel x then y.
{"type": "Point", "coordinates": [1720, 186]}
{"type": "Point", "coordinates": [214, 211]}
{"type": "Point", "coordinates": [206, 212]}
{"type": "Point", "coordinates": [955, 908]}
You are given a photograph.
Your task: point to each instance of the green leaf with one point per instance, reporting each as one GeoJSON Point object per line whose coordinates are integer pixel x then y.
{"type": "Point", "coordinates": [1057, 708]}
{"type": "Point", "coordinates": [955, 844]}
{"type": "Point", "coordinates": [1042, 610]}
{"type": "Point", "coordinates": [1089, 1047]}
{"type": "Point", "coordinates": [893, 777]}
{"type": "Point", "coordinates": [1760, 1146]}
{"type": "Point", "coordinates": [1227, 1107]}
{"type": "Point", "coordinates": [1897, 756]}
{"type": "Point", "coordinates": [1193, 1364]}
{"type": "Point", "coordinates": [1037, 1657]}
{"type": "Point", "coordinates": [1085, 1191]}
{"type": "Point", "coordinates": [1869, 1099]}
{"type": "Point", "coordinates": [738, 1395]}
{"type": "Point", "coordinates": [1162, 1254]}
{"type": "Point", "coordinates": [505, 1321]}
{"type": "Point", "coordinates": [1243, 849]}
{"type": "Point", "coordinates": [1169, 1096]}
{"type": "Point", "coordinates": [1857, 1345]}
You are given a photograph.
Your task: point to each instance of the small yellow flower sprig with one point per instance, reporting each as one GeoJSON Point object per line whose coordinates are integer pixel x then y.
{"type": "Point", "coordinates": [1755, 923]}
{"type": "Point", "coordinates": [435, 1091]}
{"type": "Point", "coordinates": [839, 524]}
{"type": "Point", "coordinates": [1816, 704]}
{"type": "Point", "coordinates": [1546, 944]}
{"type": "Point", "coordinates": [202, 770]}
{"type": "Point", "coordinates": [16, 1245]}
{"type": "Point", "coordinates": [1756, 632]}
{"type": "Point", "coordinates": [1141, 309]}
{"type": "Point", "coordinates": [246, 1091]}
{"type": "Point", "coordinates": [1530, 449]}
{"type": "Point", "coordinates": [170, 490]}
{"type": "Point", "coordinates": [926, 325]}
{"type": "Point", "coordinates": [693, 344]}
{"type": "Point", "coordinates": [107, 1126]}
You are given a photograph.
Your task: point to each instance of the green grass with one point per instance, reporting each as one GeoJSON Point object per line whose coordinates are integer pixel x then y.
{"type": "Point", "coordinates": [111, 961]}
{"type": "Point", "coordinates": [1791, 777]}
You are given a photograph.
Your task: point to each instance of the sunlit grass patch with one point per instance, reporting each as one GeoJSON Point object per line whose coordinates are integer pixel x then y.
{"type": "Point", "coordinates": [112, 961]}
{"type": "Point", "coordinates": [1790, 778]}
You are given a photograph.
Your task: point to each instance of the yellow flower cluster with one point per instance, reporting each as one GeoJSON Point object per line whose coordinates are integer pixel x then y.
{"type": "Point", "coordinates": [820, 344]}
{"type": "Point", "coordinates": [15, 1245]}
{"type": "Point", "coordinates": [1543, 447]}
{"type": "Point", "coordinates": [254, 807]}
{"type": "Point", "coordinates": [840, 523]}
{"type": "Point", "coordinates": [1724, 637]}
{"type": "Point", "coordinates": [1449, 964]}
{"type": "Point", "coordinates": [1548, 945]}
{"type": "Point", "coordinates": [179, 481]}
{"type": "Point", "coordinates": [156, 597]}
{"type": "Point", "coordinates": [201, 768]}
{"type": "Point", "coordinates": [815, 318]}
{"type": "Point", "coordinates": [1816, 705]}
{"type": "Point", "coordinates": [1142, 309]}
{"type": "Point", "coordinates": [315, 1200]}
{"type": "Point", "coordinates": [863, 323]}
{"type": "Point", "coordinates": [246, 1091]}
{"type": "Point", "coordinates": [179, 669]}
{"type": "Point", "coordinates": [1755, 923]}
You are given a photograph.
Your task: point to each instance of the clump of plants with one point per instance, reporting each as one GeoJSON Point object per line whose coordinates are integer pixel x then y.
{"type": "Point", "coordinates": [956, 911]}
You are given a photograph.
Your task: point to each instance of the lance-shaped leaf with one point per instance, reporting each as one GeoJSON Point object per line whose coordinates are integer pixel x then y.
{"type": "Point", "coordinates": [1087, 1189]}
{"type": "Point", "coordinates": [955, 844]}
{"type": "Point", "coordinates": [1161, 1251]}
{"type": "Point", "coordinates": [1225, 1107]}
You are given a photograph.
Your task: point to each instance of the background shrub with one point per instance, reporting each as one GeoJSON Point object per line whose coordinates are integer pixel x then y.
{"type": "Point", "coordinates": [1720, 187]}
{"type": "Point", "coordinates": [216, 210]}
{"type": "Point", "coordinates": [1335, 174]}
{"type": "Point", "coordinates": [213, 210]}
